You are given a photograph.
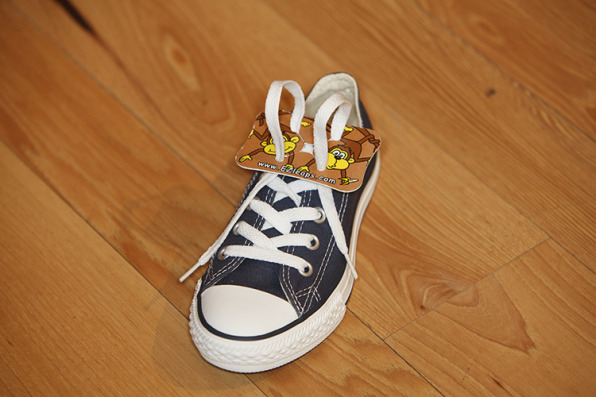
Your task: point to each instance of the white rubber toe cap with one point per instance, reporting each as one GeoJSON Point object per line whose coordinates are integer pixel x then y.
{"type": "Point", "coordinates": [243, 311]}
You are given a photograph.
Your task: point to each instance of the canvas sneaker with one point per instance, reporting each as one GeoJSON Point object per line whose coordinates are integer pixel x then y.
{"type": "Point", "coordinates": [282, 271]}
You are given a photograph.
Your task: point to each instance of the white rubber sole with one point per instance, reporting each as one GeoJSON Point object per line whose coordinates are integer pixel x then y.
{"type": "Point", "coordinates": [262, 355]}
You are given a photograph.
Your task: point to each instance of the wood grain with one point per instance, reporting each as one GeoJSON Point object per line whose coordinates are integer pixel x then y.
{"type": "Point", "coordinates": [573, 227]}
{"type": "Point", "coordinates": [150, 206]}
{"type": "Point", "coordinates": [549, 46]}
{"type": "Point", "coordinates": [541, 339]}
{"type": "Point", "coordinates": [511, 140]}
{"type": "Point", "coordinates": [335, 368]}
{"type": "Point", "coordinates": [185, 79]}
{"type": "Point", "coordinates": [428, 270]}
{"type": "Point", "coordinates": [104, 176]}
{"type": "Point", "coordinates": [76, 317]}
{"type": "Point", "coordinates": [105, 111]}
{"type": "Point", "coordinates": [432, 230]}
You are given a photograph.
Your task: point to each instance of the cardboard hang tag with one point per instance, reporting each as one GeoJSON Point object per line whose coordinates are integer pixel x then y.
{"type": "Point", "coordinates": [347, 160]}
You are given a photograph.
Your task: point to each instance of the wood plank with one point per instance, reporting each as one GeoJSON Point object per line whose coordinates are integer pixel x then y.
{"type": "Point", "coordinates": [337, 368]}
{"type": "Point", "coordinates": [185, 79]}
{"type": "Point", "coordinates": [529, 155]}
{"type": "Point", "coordinates": [574, 228]}
{"type": "Point", "coordinates": [156, 211]}
{"type": "Point", "coordinates": [431, 231]}
{"type": "Point", "coordinates": [549, 46]}
{"type": "Point", "coordinates": [103, 175]}
{"type": "Point", "coordinates": [10, 384]}
{"type": "Point", "coordinates": [76, 317]}
{"type": "Point", "coordinates": [151, 57]}
{"type": "Point", "coordinates": [479, 115]}
{"type": "Point", "coordinates": [511, 140]}
{"type": "Point", "coordinates": [528, 329]}
{"type": "Point", "coordinates": [437, 258]}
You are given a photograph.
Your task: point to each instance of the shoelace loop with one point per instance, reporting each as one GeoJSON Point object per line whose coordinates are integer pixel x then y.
{"type": "Point", "coordinates": [342, 107]}
{"type": "Point", "coordinates": [272, 112]}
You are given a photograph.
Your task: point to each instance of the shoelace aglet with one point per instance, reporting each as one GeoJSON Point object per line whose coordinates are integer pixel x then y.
{"type": "Point", "coordinates": [199, 263]}
{"type": "Point", "coordinates": [189, 272]}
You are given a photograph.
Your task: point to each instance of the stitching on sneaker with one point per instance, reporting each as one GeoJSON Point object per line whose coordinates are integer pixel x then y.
{"type": "Point", "coordinates": [318, 280]}
{"type": "Point", "coordinates": [286, 285]}
{"type": "Point", "coordinates": [304, 290]}
{"type": "Point", "coordinates": [321, 271]}
{"type": "Point", "coordinates": [287, 273]}
{"type": "Point", "coordinates": [307, 290]}
{"type": "Point", "coordinates": [251, 184]}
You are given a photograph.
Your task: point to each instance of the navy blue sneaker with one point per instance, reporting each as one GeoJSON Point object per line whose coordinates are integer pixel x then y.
{"type": "Point", "coordinates": [282, 271]}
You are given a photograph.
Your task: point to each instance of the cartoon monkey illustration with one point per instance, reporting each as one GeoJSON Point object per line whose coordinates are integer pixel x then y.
{"type": "Point", "coordinates": [345, 153]}
{"type": "Point", "coordinates": [269, 148]}
{"type": "Point", "coordinates": [261, 121]}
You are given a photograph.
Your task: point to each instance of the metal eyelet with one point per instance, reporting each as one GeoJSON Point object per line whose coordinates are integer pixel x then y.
{"type": "Point", "coordinates": [322, 215]}
{"type": "Point", "coordinates": [314, 243]}
{"type": "Point", "coordinates": [306, 271]}
{"type": "Point", "coordinates": [221, 254]}
{"type": "Point", "coordinates": [235, 229]}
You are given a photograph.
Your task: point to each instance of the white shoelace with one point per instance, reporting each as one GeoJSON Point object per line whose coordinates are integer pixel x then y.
{"type": "Point", "coordinates": [267, 249]}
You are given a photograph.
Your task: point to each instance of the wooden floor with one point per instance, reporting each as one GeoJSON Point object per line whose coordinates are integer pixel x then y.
{"type": "Point", "coordinates": [119, 121]}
